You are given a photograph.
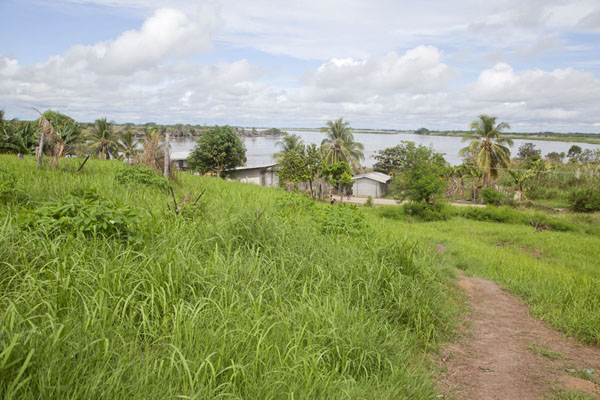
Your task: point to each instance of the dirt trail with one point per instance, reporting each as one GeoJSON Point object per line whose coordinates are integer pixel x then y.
{"type": "Point", "coordinates": [505, 353]}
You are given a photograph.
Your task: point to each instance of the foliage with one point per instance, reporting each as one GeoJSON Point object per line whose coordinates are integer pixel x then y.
{"type": "Point", "coordinates": [289, 143]}
{"type": "Point", "coordinates": [302, 164]}
{"type": "Point", "coordinates": [488, 147]}
{"type": "Point", "coordinates": [128, 145]}
{"type": "Point", "coordinates": [294, 204]}
{"type": "Point", "coordinates": [242, 303]}
{"type": "Point", "coordinates": [18, 137]}
{"type": "Point", "coordinates": [84, 213]}
{"type": "Point", "coordinates": [574, 152]}
{"type": "Point", "coordinates": [421, 174]}
{"type": "Point", "coordinates": [527, 151]}
{"type": "Point", "coordinates": [555, 157]}
{"type": "Point", "coordinates": [369, 202]}
{"type": "Point", "coordinates": [425, 211]}
{"type": "Point", "coordinates": [493, 197]}
{"type": "Point", "coordinates": [422, 131]}
{"type": "Point", "coordinates": [339, 145]}
{"type": "Point", "coordinates": [104, 141]}
{"type": "Point", "coordinates": [340, 219]}
{"type": "Point", "coordinates": [404, 156]}
{"type": "Point", "coordinates": [63, 136]}
{"type": "Point", "coordinates": [7, 184]}
{"type": "Point", "coordinates": [218, 150]}
{"type": "Point", "coordinates": [338, 174]}
{"type": "Point", "coordinates": [585, 200]}
{"type": "Point", "coordinates": [140, 175]}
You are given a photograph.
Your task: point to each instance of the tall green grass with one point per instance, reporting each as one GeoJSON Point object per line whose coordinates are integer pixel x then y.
{"type": "Point", "coordinates": [556, 272]}
{"type": "Point", "coordinates": [248, 299]}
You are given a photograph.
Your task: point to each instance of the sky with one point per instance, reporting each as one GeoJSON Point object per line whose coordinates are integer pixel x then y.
{"type": "Point", "coordinates": [381, 64]}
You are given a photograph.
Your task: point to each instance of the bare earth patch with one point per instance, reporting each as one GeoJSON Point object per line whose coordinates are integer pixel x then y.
{"type": "Point", "coordinates": [505, 353]}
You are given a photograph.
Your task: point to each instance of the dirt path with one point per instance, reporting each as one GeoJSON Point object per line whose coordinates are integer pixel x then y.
{"type": "Point", "coordinates": [505, 353]}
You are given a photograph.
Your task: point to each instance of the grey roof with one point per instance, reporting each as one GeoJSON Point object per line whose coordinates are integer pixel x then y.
{"type": "Point", "coordinates": [376, 176]}
{"type": "Point", "coordinates": [179, 155]}
{"type": "Point", "coordinates": [253, 167]}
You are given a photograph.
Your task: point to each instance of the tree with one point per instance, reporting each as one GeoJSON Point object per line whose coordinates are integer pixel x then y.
{"type": "Point", "coordinates": [574, 152]}
{"type": "Point", "coordinates": [555, 157]}
{"type": "Point", "coordinates": [128, 145]}
{"type": "Point", "coordinates": [289, 142]}
{"type": "Point", "coordinates": [18, 137]}
{"type": "Point", "coordinates": [218, 150]}
{"type": "Point", "coordinates": [64, 134]}
{"type": "Point", "coordinates": [488, 146]}
{"type": "Point", "coordinates": [339, 145]}
{"type": "Point", "coordinates": [292, 167]}
{"type": "Point", "coordinates": [405, 155]}
{"type": "Point", "coordinates": [519, 178]}
{"type": "Point", "coordinates": [422, 131]}
{"type": "Point", "coordinates": [421, 177]}
{"type": "Point", "coordinates": [338, 174]}
{"type": "Point", "coordinates": [527, 151]}
{"type": "Point", "coordinates": [104, 141]}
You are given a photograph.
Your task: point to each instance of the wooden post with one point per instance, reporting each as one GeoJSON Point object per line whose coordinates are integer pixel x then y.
{"type": "Point", "coordinates": [167, 158]}
{"type": "Point", "coordinates": [40, 149]}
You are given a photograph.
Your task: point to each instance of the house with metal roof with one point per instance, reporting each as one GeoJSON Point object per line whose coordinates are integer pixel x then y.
{"type": "Point", "coordinates": [263, 175]}
{"type": "Point", "coordinates": [374, 184]}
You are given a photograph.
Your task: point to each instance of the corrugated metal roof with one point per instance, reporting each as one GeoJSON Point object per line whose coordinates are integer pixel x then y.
{"type": "Point", "coordinates": [376, 176]}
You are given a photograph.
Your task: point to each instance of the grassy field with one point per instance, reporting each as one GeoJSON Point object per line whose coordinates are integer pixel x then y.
{"type": "Point", "coordinates": [252, 294]}
{"type": "Point", "coordinates": [557, 273]}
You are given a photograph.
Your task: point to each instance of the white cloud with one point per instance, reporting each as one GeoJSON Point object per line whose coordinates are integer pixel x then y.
{"type": "Point", "coordinates": [419, 70]}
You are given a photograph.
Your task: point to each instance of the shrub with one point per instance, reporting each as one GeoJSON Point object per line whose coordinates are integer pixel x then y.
{"type": "Point", "coordinates": [142, 175]}
{"type": "Point", "coordinates": [342, 219]}
{"type": "Point", "coordinates": [84, 213]}
{"type": "Point", "coordinates": [498, 214]}
{"type": "Point", "coordinates": [369, 202]}
{"type": "Point", "coordinates": [585, 200]}
{"type": "Point", "coordinates": [493, 197]}
{"type": "Point", "coordinates": [391, 212]}
{"type": "Point", "coordinates": [426, 212]}
{"type": "Point", "coordinates": [542, 220]}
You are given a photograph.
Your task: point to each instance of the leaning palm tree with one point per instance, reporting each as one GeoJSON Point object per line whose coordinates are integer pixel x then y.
{"type": "Point", "coordinates": [488, 147]}
{"type": "Point", "coordinates": [104, 141]}
{"type": "Point", "coordinates": [129, 145]}
{"type": "Point", "coordinates": [290, 142]}
{"type": "Point", "coordinates": [339, 145]}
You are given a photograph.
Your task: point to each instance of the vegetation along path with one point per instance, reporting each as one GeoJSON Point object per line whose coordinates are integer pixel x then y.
{"type": "Point", "coordinates": [505, 353]}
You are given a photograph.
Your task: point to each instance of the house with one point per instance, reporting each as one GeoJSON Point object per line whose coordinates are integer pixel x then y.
{"type": "Point", "coordinates": [374, 184]}
{"type": "Point", "coordinates": [265, 175]}
{"type": "Point", "coordinates": [180, 159]}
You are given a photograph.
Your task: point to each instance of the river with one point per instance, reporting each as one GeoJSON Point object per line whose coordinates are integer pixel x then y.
{"type": "Point", "coordinates": [260, 150]}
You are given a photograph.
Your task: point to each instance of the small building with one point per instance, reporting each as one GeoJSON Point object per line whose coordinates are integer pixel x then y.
{"type": "Point", "coordinates": [265, 175]}
{"type": "Point", "coordinates": [374, 184]}
{"type": "Point", "coordinates": [180, 159]}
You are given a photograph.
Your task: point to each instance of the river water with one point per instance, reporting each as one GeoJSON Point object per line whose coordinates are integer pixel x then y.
{"type": "Point", "coordinates": [260, 150]}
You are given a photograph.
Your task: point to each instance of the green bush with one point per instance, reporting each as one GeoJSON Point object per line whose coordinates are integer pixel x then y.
{"type": "Point", "coordinates": [84, 213]}
{"type": "Point", "coordinates": [426, 212]}
{"type": "Point", "coordinates": [497, 214]}
{"type": "Point", "coordinates": [391, 212]}
{"type": "Point", "coordinates": [585, 200]}
{"type": "Point", "coordinates": [141, 175]}
{"type": "Point", "coordinates": [342, 219]}
{"type": "Point", "coordinates": [369, 202]}
{"type": "Point", "coordinates": [550, 223]}
{"type": "Point", "coordinates": [493, 197]}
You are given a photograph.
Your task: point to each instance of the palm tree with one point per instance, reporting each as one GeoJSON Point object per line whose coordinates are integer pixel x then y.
{"type": "Point", "coordinates": [339, 145]}
{"type": "Point", "coordinates": [128, 145]}
{"type": "Point", "coordinates": [105, 142]}
{"type": "Point", "coordinates": [519, 177]}
{"type": "Point", "coordinates": [488, 147]}
{"type": "Point", "coordinates": [288, 143]}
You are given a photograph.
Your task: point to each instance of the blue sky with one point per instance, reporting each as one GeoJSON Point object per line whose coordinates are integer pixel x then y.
{"type": "Point", "coordinates": [379, 64]}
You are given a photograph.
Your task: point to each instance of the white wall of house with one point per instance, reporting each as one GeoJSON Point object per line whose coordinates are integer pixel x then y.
{"type": "Point", "coordinates": [257, 176]}
{"type": "Point", "coordinates": [365, 187]}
